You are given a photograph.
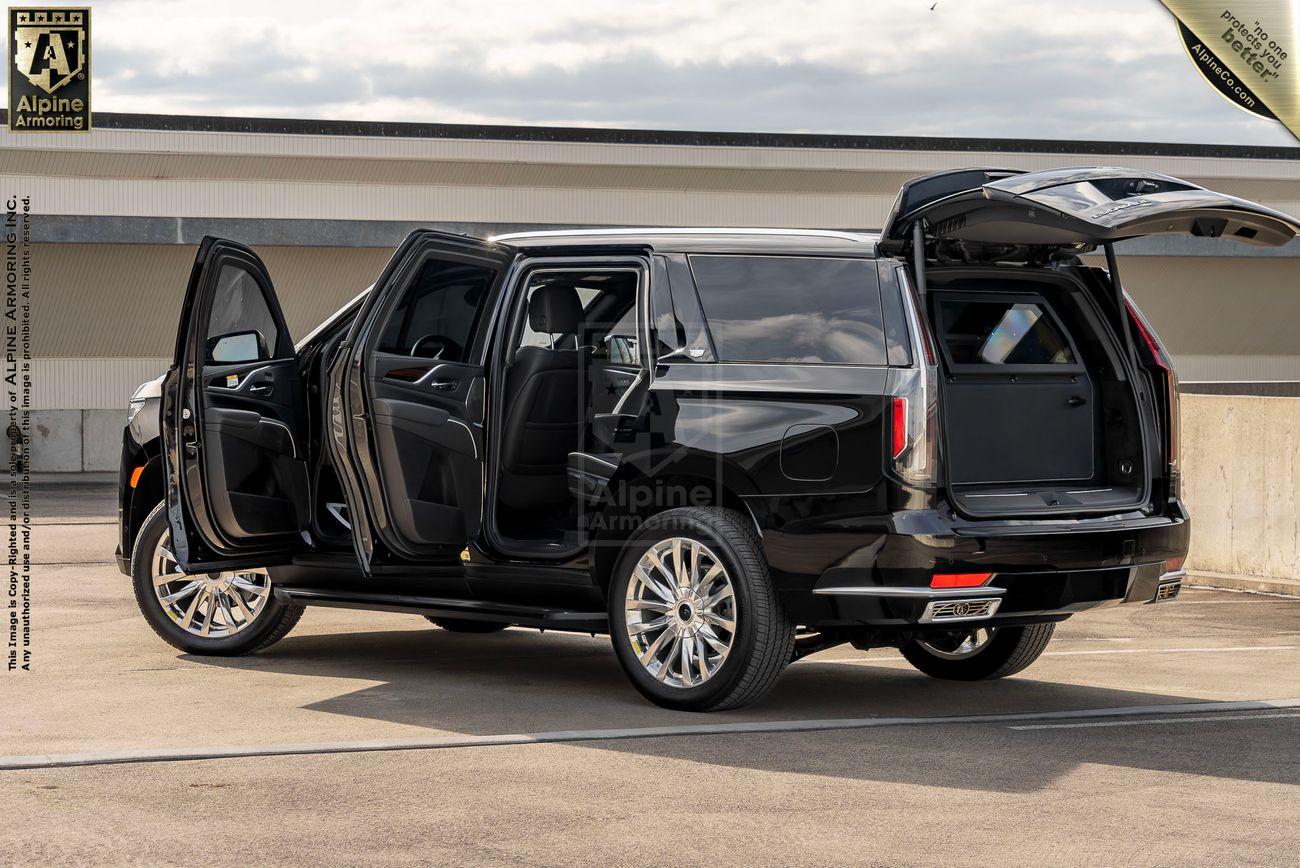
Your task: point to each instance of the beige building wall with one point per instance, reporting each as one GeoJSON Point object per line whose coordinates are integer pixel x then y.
{"type": "Point", "coordinates": [1224, 320]}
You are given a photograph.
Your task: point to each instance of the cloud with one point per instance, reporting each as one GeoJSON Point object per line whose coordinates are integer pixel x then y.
{"type": "Point", "coordinates": [970, 67]}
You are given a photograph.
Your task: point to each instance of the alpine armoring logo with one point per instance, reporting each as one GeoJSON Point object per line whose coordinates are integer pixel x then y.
{"type": "Point", "coordinates": [49, 75]}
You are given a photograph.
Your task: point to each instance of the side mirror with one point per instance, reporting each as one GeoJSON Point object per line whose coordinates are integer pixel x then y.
{"type": "Point", "coordinates": [236, 347]}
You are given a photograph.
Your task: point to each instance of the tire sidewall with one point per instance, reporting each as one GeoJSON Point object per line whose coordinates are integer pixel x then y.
{"type": "Point", "coordinates": [151, 531]}
{"type": "Point", "coordinates": [705, 695]}
{"type": "Point", "coordinates": [977, 667]}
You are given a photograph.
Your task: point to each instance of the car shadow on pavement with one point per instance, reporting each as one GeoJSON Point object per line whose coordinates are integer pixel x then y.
{"type": "Point", "coordinates": [521, 681]}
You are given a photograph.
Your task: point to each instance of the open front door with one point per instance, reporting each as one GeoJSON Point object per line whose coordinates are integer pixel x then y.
{"type": "Point", "coordinates": [407, 394]}
{"type": "Point", "coordinates": [233, 420]}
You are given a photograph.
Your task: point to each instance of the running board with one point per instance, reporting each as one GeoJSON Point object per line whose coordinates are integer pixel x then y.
{"type": "Point", "coordinates": [474, 610]}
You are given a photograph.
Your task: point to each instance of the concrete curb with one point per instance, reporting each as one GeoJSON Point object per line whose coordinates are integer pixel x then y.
{"type": "Point", "coordinates": [1253, 584]}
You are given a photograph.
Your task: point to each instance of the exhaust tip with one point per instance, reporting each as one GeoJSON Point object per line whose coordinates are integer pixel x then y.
{"type": "Point", "coordinates": [949, 611]}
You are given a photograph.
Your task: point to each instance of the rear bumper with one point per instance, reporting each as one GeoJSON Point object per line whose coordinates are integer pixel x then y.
{"type": "Point", "coordinates": [1041, 571]}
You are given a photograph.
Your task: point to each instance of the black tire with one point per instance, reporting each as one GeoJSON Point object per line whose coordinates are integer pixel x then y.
{"type": "Point", "coordinates": [1009, 651]}
{"type": "Point", "coordinates": [763, 639]}
{"type": "Point", "coordinates": [273, 621]}
{"type": "Point", "coordinates": [467, 625]}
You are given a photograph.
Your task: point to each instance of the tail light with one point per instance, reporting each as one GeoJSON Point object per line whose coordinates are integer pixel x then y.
{"type": "Point", "coordinates": [914, 412]}
{"type": "Point", "coordinates": [899, 423]}
{"type": "Point", "coordinates": [959, 580]}
{"type": "Point", "coordinates": [1173, 418]}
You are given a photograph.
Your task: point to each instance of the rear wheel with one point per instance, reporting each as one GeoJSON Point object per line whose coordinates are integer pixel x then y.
{"type": "Point", "coordinates": [467, 625]}
{"type": "Point", "coordinates": [978, 653]}
{"type": "Point", "coordinates": [693, 616]}
{"type": "Point", "coordinates": [219, 613]}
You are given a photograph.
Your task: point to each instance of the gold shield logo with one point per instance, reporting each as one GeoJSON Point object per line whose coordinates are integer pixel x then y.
{"type": "Point", "coordinates": [50, 46]}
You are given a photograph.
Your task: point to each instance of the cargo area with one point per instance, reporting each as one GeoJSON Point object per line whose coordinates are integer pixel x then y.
{"type": "Point", "coordinates": [1039, 415]}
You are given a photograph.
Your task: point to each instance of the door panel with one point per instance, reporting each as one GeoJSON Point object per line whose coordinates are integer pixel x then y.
{"type": "Point", "coordinates": [406, 401]}
{"type": "Point", "coordinates": [233, 419]}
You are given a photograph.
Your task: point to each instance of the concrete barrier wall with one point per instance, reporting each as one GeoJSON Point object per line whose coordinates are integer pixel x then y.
{"type": "Point", "coordinates": [1241, 482]}
{"type": "Point", "coordinates": [76, 441]}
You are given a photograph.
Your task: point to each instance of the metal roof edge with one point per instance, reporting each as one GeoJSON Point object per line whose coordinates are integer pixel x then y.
{"type": "Point", "coordinates": [686, 138]}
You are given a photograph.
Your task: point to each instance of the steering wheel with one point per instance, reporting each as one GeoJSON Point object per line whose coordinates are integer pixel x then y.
{"type": "Point", "coordinates": [434, 346]}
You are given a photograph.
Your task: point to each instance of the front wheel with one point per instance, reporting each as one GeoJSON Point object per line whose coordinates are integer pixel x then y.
{"type": "Point", "coordinates": [222, 613]}
{"type": "Point", "coordinates": [978, 653]}
{"type": "Point", "coordinates": [694, 619]}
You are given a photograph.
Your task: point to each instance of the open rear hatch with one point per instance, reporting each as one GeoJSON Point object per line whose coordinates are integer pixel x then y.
{"type": "Point", "coordinates": [1045, 403]}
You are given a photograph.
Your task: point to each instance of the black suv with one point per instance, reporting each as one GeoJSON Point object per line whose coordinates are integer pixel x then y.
{"type": "Point", "coordinates": [727, 448]}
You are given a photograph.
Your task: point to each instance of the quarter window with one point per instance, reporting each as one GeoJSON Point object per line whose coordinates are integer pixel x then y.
{"type": "Point", "coordinates": [791, 309]}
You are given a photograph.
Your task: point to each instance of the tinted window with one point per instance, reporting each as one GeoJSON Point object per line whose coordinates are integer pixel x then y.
{"type": "Point", "coordinates": [791, 309]}
{"type": "Point", "coordinates": [239, 305]}
{"type": "Point", "coordinates": [1002, 333]}
{"type": "Point", "coordinates": [438, 312]}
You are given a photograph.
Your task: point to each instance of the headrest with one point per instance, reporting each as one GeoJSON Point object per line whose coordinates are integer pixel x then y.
{"type": "Point", "coordinates": [554, 310]}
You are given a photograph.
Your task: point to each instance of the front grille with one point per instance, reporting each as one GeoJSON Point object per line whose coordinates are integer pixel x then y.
{"type": "Point", "coordinates": [941, 611]}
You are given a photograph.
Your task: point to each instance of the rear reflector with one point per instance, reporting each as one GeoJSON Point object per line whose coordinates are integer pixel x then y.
{"type": "Point", "coordinates": [899, 427]}
{"type": "Point", "coordinates": [1173, 565]}
{"type": "Point", "coordinates": [959, 580]}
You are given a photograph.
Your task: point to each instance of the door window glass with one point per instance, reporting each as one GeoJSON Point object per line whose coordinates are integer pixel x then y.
{"type": "Point", "coordinates": [621, 344]}
{"type": "Point", "coordinates": [608, 321]}
{"type": "Point", "coordinates": [791, 309]}
{"type": "Point", "coordinates": [239, 307]}
{"type": "Point", "coordinates": [1002, 333]}
{"type": "Point", "coordinates": [438, 313]}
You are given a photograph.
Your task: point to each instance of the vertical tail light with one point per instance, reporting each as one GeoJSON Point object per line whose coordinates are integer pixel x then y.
{"type": "Point", "coordinates": [899, 429]}
{"type": "Point", "coordinates": [915, 412]}
{"type": "Point", "coordinates": [1173, 417]}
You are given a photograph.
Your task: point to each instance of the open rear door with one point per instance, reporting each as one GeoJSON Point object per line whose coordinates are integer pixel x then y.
{"type": "Point", "coordinates": [233, 420]}
{"type": "Point", "coordinates": [407, 394]}
{"type": "Point", "coordinates": [1074, 208]}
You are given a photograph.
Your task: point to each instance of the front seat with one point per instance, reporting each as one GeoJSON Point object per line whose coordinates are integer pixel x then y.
{"type": "Point", "coordinates": [543, 406]}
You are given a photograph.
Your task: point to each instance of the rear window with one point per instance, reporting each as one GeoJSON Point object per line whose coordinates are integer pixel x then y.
{"type": "Point", "coordinates": [1002, 333]}
{"type": "Point", "coordinates": [791, 309]}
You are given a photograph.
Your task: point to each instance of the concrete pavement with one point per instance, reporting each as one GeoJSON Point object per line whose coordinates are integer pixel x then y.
{"type": "Point", "coordinates": [1139, 788]}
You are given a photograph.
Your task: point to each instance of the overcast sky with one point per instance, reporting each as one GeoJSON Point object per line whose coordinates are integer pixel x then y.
{"type": "Point", "coordinates": [1104, 69]}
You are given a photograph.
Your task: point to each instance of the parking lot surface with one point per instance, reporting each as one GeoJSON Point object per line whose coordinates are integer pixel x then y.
{"type": "Point", "coordinates": [1145, 735]}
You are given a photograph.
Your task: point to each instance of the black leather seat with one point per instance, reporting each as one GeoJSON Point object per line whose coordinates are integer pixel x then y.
{"type": "Point", "coordinates": [543, 406]}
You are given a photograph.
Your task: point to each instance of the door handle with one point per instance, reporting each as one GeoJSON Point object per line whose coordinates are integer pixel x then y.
{"type": "Point", "coordinates": [1077, 401]}
{"type": "Point", "coordinates": [444, 385]}
{"type": "Point", "coordinates": [262, 389]}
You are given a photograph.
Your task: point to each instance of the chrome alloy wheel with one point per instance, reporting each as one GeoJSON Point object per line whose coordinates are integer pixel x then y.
{"type": "Point", "coordinates": [681, 612]}
{"type": "Point", "coordinates": [210, 605]}
{"type": "Point", "coordinates": [956, 645]}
